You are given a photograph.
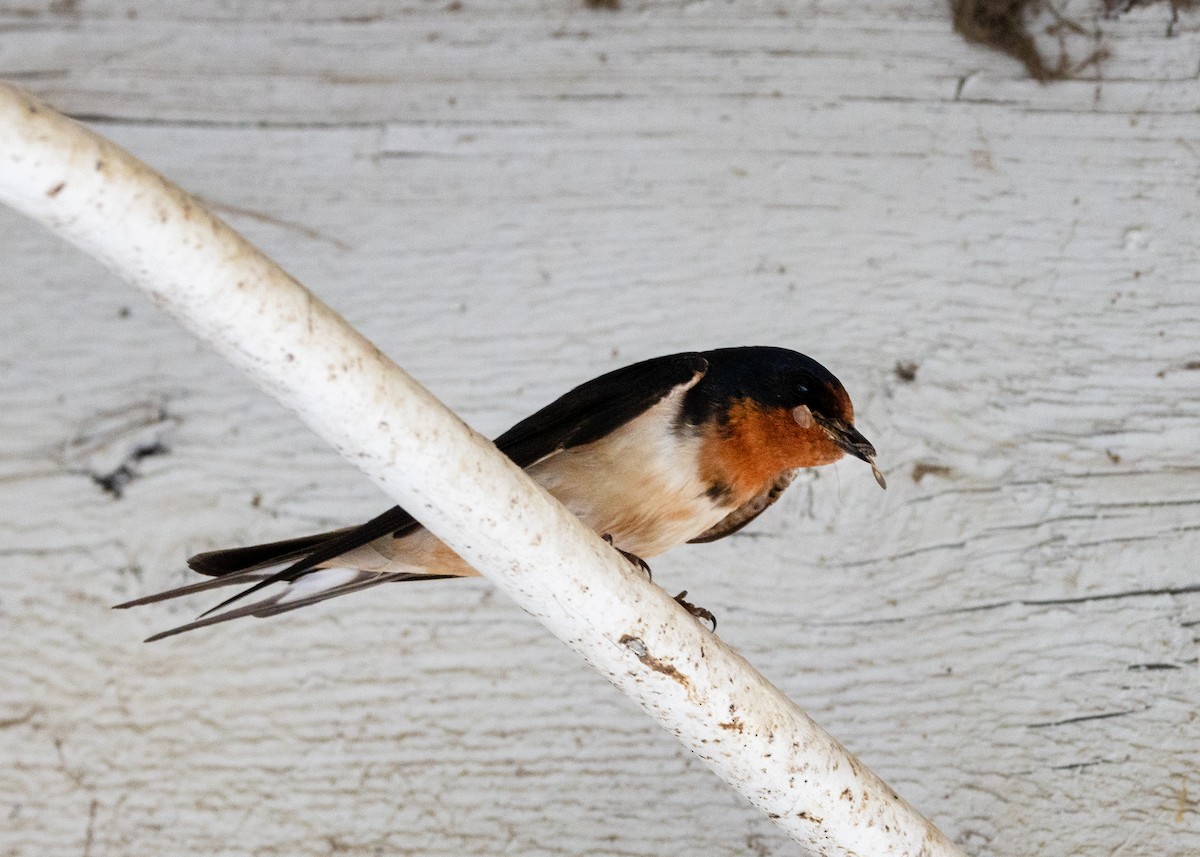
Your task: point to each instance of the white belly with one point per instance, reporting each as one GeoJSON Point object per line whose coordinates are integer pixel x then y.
{"type": "Point", "coordinates": [640, 484]}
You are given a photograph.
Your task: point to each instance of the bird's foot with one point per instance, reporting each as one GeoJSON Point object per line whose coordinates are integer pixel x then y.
{"type": "Point", "coordinates": [698, 612]}
{"type": "Point", "coordinates": [633, 558]}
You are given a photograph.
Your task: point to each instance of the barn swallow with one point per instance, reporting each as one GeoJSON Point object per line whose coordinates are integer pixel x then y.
{"type": "Point", "coordinates": [684, 448]}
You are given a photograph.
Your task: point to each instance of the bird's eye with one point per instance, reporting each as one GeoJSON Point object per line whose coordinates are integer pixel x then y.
{"type": "Point", "coordinates": [800, 388]}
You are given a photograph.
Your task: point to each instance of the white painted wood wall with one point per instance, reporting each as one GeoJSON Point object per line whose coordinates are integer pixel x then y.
{"type": "Point", "coordinates": [510, 198]}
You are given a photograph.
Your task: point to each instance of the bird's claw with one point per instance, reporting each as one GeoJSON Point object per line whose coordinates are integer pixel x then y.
{"type": "Point", "coordinates": [698, 612]}
{"type": "Point", "coordinates": [637, 561]}
{"type": "Point", "coordinates": [633, 558]}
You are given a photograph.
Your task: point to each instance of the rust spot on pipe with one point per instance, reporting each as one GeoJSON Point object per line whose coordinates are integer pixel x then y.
{"type": "Point", "coordinates": [635, 645]}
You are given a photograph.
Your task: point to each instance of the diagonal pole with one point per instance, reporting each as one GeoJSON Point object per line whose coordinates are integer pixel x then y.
{"type": "Point", "coordinates": [152, 234]}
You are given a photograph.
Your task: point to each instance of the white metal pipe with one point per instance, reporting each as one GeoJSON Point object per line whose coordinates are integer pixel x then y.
{"type": "Point", "coordinates": [453, 480]}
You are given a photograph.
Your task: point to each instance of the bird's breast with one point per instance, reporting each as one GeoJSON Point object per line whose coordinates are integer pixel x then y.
{"type": "Point", "coordinates": [753, 445]}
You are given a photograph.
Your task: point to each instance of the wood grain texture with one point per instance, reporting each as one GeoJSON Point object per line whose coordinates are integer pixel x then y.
{"type": "Point", "coordinates": [510, 198]}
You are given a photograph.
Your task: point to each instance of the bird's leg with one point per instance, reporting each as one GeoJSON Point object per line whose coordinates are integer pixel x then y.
{"type": "Point", "coordinates": [698, 612]}
{"type": "Point", "coordinates": [633, 558]}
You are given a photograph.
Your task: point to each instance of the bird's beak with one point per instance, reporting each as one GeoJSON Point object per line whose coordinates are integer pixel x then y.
{"type": "Point", "coordinates": [848, 438]}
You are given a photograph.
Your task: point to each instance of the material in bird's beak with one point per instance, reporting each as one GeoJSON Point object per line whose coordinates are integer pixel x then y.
{"type": "Point", "coordinates": [848, 438]}
{"type": "Point", "coordinates": [878, 474]}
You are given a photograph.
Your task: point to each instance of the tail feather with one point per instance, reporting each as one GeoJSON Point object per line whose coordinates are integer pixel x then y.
{"type": "Point", "coordinates": [280, 602]}
{"type": "Point", "coordinates": [229, 579]}
{"type": "Point", "coordinates": [298, 572]}
{"type": "Point", "coordinates": [232, 560]}
{"type": "Point", "coordinates": [395, 521]}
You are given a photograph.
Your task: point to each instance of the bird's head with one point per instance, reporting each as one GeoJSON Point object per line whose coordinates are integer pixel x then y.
{"type": "Point", "coordinates": [809, 409]}
{"type": "Point", "coordinates": [825, 414]}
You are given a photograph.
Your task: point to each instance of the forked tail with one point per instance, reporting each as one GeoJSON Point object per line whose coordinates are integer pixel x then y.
{"type": "Point", "coordinates": [289, 574]}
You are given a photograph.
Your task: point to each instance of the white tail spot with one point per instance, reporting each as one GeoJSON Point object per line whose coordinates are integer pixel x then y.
{"type": "Point", "coordinates": [318, 581]}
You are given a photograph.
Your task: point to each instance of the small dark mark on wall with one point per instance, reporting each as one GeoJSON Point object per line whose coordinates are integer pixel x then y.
{"type": "Point", "coordinates": [110, 446]}
{"type": "Point", "coordinates": [1008, 26]}
{"type": "Point", "coordinates": [114, 482]}
{"type": "Point", "coordinates": [1081, 766]}
{"type": "Point", "coordinates": [1108, 715]}
{"type": "Point", "coordinates": [1000, 25]}
{"type": "Point", "coordinates": [925, 468]}
{"type": "Point", "coordinates": [609, 5]}
{"type": "Point", "coordinates": [1189, 366]}
{"type": "Point", "coordinates": [1004, 25]}
{"type": "Point", "coordinates": [906, 370]}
